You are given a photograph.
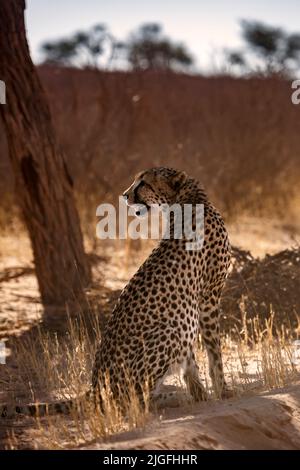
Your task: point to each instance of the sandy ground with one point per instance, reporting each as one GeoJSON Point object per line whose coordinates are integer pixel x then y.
{"type": "Point", "coordinates": [266, 421]}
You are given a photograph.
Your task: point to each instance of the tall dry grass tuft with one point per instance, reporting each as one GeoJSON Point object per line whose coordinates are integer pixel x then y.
{"type": "Point", "coordinates": [260, 355]}
{"type": "Point", "coordinates": [59, 368]}
{"type": "Point", "coordinates": [256, 358]}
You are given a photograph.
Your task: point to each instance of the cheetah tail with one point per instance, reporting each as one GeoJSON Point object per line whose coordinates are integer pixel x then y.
{"type": "Point", "coordinates": [44, 409]}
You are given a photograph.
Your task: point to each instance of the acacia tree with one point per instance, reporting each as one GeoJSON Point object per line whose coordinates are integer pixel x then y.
{"type": "Point", "coordinates": [275, 50]}
{"type": "Point", "coordinates": [91, 48]}
{"type": "Point", "coordinates": [148, 49]}
{"type": "Point", "coordinates": [43, 184]}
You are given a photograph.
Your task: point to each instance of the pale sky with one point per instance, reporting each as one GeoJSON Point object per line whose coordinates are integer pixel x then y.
{"type": "Point", "coordinates": [204, 26]}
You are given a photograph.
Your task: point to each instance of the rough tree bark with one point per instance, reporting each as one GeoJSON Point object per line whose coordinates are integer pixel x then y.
{"type": "Point", "coordinates": [43, 184]}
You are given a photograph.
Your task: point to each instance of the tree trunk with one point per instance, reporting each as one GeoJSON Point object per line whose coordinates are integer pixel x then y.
{"type": "Point", "coordinates": [43, 184]}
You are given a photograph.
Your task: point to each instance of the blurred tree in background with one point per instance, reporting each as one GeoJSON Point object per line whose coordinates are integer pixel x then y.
{"type": "Point", "coordinates": [149, 49]}
{"type": "Point", "coordinates": [273, 49]}
{"type": "Point", "coordinates": [268, 50]}
{"type": "Point", "coordinates": [146, 49]}
{"type": "Point", "coordinates": [95, 47]}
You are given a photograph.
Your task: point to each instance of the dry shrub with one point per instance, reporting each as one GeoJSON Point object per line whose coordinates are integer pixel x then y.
{"type": "Point", "coordinates": [259, 287]}
{"type": "Point", "coordinates": [239, 136]}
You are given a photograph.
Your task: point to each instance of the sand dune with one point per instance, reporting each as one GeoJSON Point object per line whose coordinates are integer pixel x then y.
{"type": "Point", "coordinates": [265, 421]}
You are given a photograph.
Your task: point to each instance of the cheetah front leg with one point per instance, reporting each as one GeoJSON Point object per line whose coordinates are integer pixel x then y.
{"type": "Point", "coordinates": [190, 373]}
{"type": "Point", "coordinates": [210, 333]}
{"type": "Point", "coordinates": [193, 380]}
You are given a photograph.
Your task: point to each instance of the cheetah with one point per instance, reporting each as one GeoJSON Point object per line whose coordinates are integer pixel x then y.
{"type": "Point", "coordinates": [173, 297]}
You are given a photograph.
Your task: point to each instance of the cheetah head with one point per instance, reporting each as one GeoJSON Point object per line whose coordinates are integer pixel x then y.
{"type": "Point", "coordinates": [154, 187]}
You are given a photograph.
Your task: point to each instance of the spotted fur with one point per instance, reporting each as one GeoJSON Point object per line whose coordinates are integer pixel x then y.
{"type": "Point", "coordinates": [173, 296]}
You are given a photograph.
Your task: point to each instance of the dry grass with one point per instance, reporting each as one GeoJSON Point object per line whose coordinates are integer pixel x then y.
{"type": "Point", "coordinates": [51, 368]}
{"type": "Point", "coordinates": [238, 136]}
{"type": "Point", "coordinates": [59, 368]}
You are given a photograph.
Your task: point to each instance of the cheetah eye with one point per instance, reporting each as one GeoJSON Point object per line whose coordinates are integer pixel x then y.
{"type": "Point", "coordinates": [143, 184]}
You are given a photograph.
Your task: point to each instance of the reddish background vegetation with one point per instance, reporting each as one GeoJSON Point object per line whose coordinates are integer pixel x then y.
{"type": "Point", "coordinates": [239, 136]}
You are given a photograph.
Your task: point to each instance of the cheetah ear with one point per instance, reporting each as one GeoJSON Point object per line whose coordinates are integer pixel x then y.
{"type": "Point", "coordinates": [178, 180]}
